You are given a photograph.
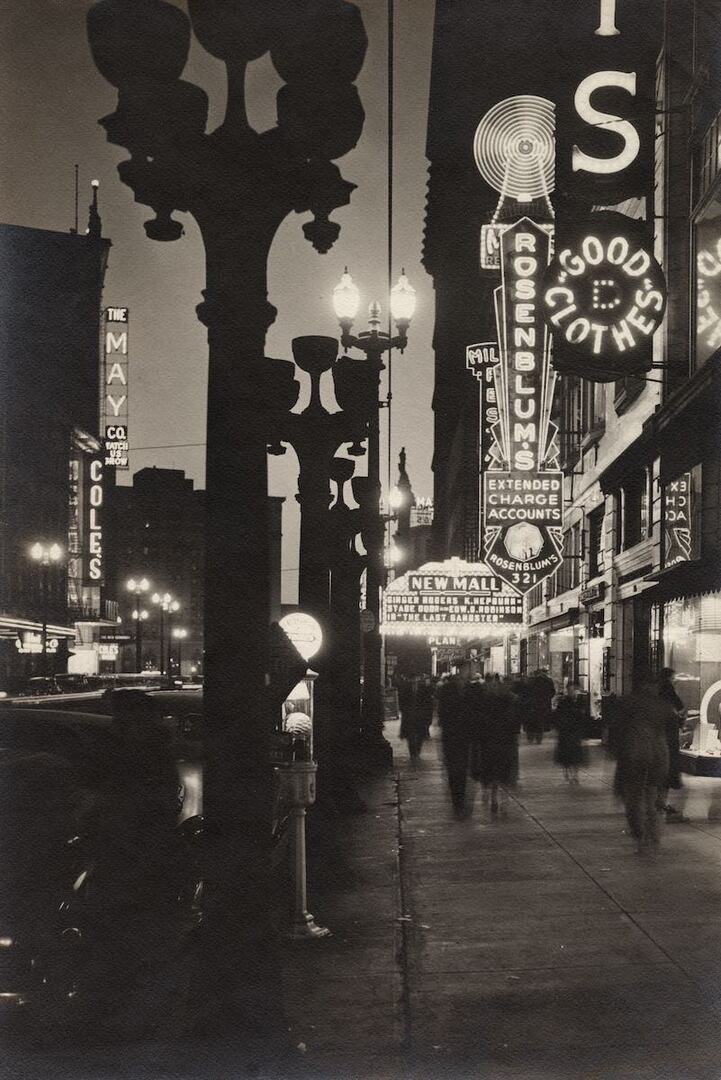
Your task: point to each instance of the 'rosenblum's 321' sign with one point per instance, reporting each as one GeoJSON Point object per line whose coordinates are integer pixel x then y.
{"type": "Point", "coordinates": [604, 297]}
{"type": "Point", "coordinates": [523, 488]}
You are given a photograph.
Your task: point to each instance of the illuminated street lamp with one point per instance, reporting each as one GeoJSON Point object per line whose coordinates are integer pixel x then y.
{"type": "Point", "coordinates": [46, 555]}
{"type": "Point", "coordinates": [138, 586]}
{"type": "Point", "coordinates": [180, 634]}
{"type": "Point", "coordinates": [167, 605]}
{"type": "Point", "coordinates": [374, 342]}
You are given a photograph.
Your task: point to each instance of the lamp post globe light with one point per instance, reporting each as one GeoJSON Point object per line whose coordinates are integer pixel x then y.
{"type": "Point", "coordinates": [240, 185]}
{"type": "Point", "coordinates": [374, 343]}
{"type": "Point", "coordinates": [137, 587]}
{"type": "Point", "coordinates": [179, 634]}
{"type": "Point", "coordinates": [46, 555]}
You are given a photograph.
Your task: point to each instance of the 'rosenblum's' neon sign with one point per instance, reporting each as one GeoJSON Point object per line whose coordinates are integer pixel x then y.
{"type": "Point", "coordinates": [523, 490]}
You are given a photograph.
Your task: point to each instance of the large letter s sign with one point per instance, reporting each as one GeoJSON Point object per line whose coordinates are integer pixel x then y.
{"type": "Point", "coordinates": [625, 80]}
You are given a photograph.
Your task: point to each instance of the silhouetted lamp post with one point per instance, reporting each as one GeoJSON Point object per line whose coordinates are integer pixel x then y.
{"type": "Point", "coordinates": [46, 555]}
{"type": "Point", "coordinates": [166, 606]}
{"type": "Point", "coordinates": [138, 587]}
{"type": "Point", "coordinates": [374, 343]}
{"type": "Point", "coordinates": [240, 185]}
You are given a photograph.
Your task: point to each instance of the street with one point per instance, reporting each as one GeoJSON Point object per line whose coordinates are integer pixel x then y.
{"type": "Point", "coordinates": [535, 945]}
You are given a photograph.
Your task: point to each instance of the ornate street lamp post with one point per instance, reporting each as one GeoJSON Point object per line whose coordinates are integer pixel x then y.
{"type": "Point", "coordinates": [179, 635]}
{"type": "Point", "coordinates": [138, 587]}
{"type": "Point", "coordinates": [239, 185]}
{"type": "Point", "coordinates": [46, 555]}
{"type": "Point", "coordinates": [166, 606]}
{"type": "Point", "coordinates": [374, 343]}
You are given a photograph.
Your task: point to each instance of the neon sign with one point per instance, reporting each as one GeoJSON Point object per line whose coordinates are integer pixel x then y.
{"type": "Point", "coordinates": [606, 104]}
{"type": "Point", "coordinates": [523, 488]}
{"type": "Point", "coordinates": [449, 597]}
{"type": "Point", "coordinates": [114, 410]}
{"type": "Point", "coordinates": [708, 295]}
{"type": "Point", "coordinates": [604, 298]}
{"type": "Point", "coordinates": [95, 528]}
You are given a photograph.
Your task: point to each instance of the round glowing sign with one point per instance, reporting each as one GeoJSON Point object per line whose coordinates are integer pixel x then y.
{"type": "Point", "coordinates": [514, 147]}
{"type": "Point", "coordinates": [603, 297]}
{"type": "Point", "coordinates": [304, 631]}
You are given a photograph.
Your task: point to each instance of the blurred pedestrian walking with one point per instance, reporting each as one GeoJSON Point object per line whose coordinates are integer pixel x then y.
{"type": "Point", "coordinates": [537, 705]}
{"type": "Point", "coordinates": [415, 701]}
{"type": "Point", "coordinates": [455, 734]}
{"type": "Point", "coordinates": [492, 716]}
{"type": "Point", "coordinates": [569, 717]}
{"type": "Point", "coordinates": [667, 693]}
{"type": "Point", "coordinates": [642, 766]}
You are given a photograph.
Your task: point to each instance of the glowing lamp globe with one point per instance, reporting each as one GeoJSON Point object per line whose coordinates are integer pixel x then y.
{"type": "Point", "coordinates": [396, 498]}
{"type": "Point", "coordinates": [36, 551]}
{"type": "Point", "coordinates": [346, 298]}
{"type": "Point", "coordinates": [56, 552]}
{"type": "Point", "coordinates": [304, 631]}
{"type": "Point", "coordinates": [403, 299]}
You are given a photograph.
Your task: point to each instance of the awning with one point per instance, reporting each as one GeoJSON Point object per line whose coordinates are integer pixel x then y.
{"type": "Point", "coordinates": [693, 577]}
{"type": "Point", "coordinates": [557, 622]}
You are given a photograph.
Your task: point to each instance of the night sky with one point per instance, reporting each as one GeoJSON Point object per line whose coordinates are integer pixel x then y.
{"type": "Point", "coordinates": [51, 97]}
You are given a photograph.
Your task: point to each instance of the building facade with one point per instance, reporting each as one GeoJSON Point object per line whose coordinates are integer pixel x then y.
{"type": "Point", "coordinates": [156, 529]}
{"type": "Point", "coordinates": [638, 588]}
{"type": "Point", "coordinates": [50, 303]}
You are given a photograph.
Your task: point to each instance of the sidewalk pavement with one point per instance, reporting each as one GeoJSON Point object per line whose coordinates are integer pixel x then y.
{"type": "Point", "coordinates": [535, 946]}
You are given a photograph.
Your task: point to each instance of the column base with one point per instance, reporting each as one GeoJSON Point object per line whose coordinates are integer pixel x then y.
{"type": "Point", "coordinates": [306, 929]}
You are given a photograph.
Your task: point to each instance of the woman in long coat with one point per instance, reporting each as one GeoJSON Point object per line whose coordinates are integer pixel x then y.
{"type": "Point", "coordinates": [413, 702]}
{"type": "Point", "coordinates": [569, 718]}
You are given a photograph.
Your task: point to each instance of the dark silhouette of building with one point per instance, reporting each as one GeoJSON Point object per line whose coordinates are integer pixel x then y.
{"type": "Point", "coordinates": [50, 303]}
{"type": "Point", "coordinates": [156, 528]}
{"type": "Point", "coordinates": [481, 55]}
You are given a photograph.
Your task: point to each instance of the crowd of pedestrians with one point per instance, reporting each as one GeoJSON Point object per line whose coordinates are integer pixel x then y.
{"type": "Point", "coordinates": [481, 717]}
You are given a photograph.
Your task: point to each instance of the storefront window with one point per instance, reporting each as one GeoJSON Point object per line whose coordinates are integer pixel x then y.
{"type": "Point", "coordinates": [563, 655]}
{"type": "Point", "coordinates": [682, 518]}
{"type": "Point", "coordinates": [692, 647]}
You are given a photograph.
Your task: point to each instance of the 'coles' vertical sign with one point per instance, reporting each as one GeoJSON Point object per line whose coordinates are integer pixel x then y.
{"type": "Point", "coordinates": [523, 490]}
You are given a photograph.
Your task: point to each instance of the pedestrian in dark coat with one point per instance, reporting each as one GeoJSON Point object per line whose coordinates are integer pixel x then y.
{"type": "Point", "coordinates": [455, 735]}
{"type": "Point", "coordinates": [642, 766]}
{"type": "Point", "coordinates": [667, 693]}
{"type": "Point", "coordinates": [537, 705]}
{"type": "Point", "coordinates": [493, 721]}
{"type": "Point", "coordinates": [569, 719]}
{"type": "Point", "coordinates": [414, 716]}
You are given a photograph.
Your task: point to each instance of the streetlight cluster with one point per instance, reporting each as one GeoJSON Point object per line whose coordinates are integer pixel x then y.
{"type": "Point", "coordinates": [167, 606]}
{"type": "Point", "coordinates": [46, 555]}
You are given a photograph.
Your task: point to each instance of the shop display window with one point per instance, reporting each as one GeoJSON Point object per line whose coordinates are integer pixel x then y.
{"type": "Point", "coordinates": [692, 647]}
